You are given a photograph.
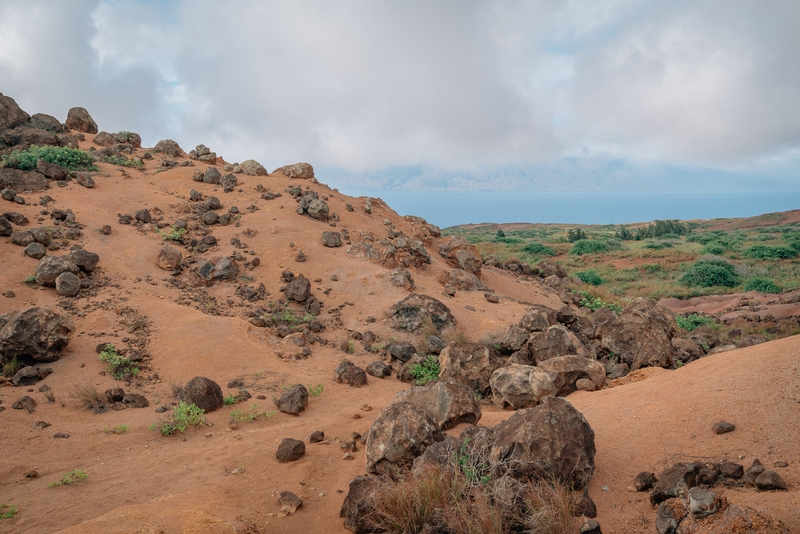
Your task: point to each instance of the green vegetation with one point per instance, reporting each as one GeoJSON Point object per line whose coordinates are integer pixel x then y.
{"type": "Point", "coordinates": [31, 279]}
{"type": "Point", "coordinates": [315, 390]}
{"type": "Point", "coordinates": [230, 400]}
{"type": "Point", "coordinates": [121, 161]}
{"type": "Point", "coordinates": [589, 277]}
{"type": "Point", "coordinates": [71, 158]}
{"type": "Point", "coordinates": [174, 234]}
{"type": "Point", "coordinates": [762, 252]}
{"type": "Point", "coordinates": [7, 512]}
{"type": "Point", "coordinates": [537, 249]}
{"type": "Point", "coordinates": [711, 272]}
{"type": "Point", "coordinates": [594, 303]}
{"type": "Point", "coordinates": [287, 315]}
{"type": "Point", "coordinates": [252, 414]}
{"type": "Point", "coordinates": [425, 372]}
{"type": "Point", "coordinates": [588, 246]}
{"type": "Point", "coordinates": [661, 228]}
{"type": "Point", "coordinates": [576, 235]}
{"type": "Point", "coordinates": [763, 285]}
{"type": "Point", "coordinates": [118, 429]}
{"type": "Point", "coordinates": [11, 367]}
{"type": "Point", "coordinates": [70, 478]}
{"type": "Point", "coordinates": [183, 416]}
{"type": "Point", "coordinates": [118, 365]}
{"type": "Point", "coordinates": [693, 321]}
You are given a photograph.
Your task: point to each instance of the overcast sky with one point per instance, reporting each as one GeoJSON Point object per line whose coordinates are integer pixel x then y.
{"type": "Point", "coordinates": [364, 86]}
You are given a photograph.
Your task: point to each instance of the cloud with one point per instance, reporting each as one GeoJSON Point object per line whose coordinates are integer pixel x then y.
{"type": "Point", "coordinates": [452, 85]}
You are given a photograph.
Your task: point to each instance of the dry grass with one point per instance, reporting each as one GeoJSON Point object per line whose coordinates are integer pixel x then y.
{"type": "Point", "coordinates": [87, 396]}
{"type": "Point", "coordinates": [175, 388]}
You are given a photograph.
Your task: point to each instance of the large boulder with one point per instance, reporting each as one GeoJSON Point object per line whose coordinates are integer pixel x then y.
{"type": "Point", "coordinates": [568, 370]}
{"type": "Point", "coordinates": [416, 310]}
{"type": "Point", "coordinates": [400, 433]}
{"type": "Point", "coordinates": [642, 335]}
{"type": "Point", "coordinates": [46, 122]}
{"type": "Point", "coordinates": [79, 119]}
{"type": "Point", "coordinates": [460, 253]}
{"type": "Point", "coordinates": [521, 386]}
{"type": "Point", "coordinates": [169, 147]}
{"type": "Point", "coordinates": [358, 507]}
{"type": "Point", "coordinates": [86, 261]}
{"type": "Point", "coordinates": [52, 171]}
{"type": "Point", "coordinates": [538, 319]}
{"type": "Point", "coordinates": [447, 402]}
{"type": "Point", "coordinates": [202, 392]}
{"type": "Point", "coordinates": [548, 268]}
{"type": "Point", "coordinates": [472, 364]}
{"type": "Point", "coordinates": [318, 209]}
{"type": "Point", "coordinates": [556, 341]}
{"type": "Point", "coordinates": [552, 440]}
{"type": "Point", "coordinates": [252, 168]}
{"type": "Point", "coordinates": [50, 267]}
{"type": "Point", "coordinates": [463, 280]}
{"type": "Point", "coordinates": [346, 372]}
{"type": "Point", "coordinates": [67, 284]}
{"type": "Point", "coordinates": [294, 399]}
{"type": "Point", "coordinates": [38, 333]}
{"type": "Point", "coordinates": [11, 115]}
{"type": "Point", "coordinates": [22, 181]}
{"type": "Point", "coordinates": [298, 170]}
{"type": "Point", "coordinates": [513, 340]}
{"type": "Point", "coordinates": [299, 289]}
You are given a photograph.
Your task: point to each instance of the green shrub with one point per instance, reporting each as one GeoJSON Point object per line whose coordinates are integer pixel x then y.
{"type": "Point", "coordinates": [763, 252]}
{"type": "Point", "coordinates": [588, 246]}
{"type": "Point", "coordinates": [241, 416]}
{"type": "Point", "coordinates": [652, 268]}
{"type": "Point", "coordinates": [315, 390]}
{"type": "Point", "coordinates": [537, 249]}
{"type": "Point", "coordinates": [71, 158]}
{"type": "Point", "coordinates": [692, 321]}
{"type": "Point", "coordinates": [714, 248]}
{"type": "Point", "coordinates": [229, 399]}
{"type": "Point", "coordinates": [711, 272]}
{"type": "Point", "coordinates": [763, 285]}
{"type": "Point", "coordinates": [576, 235]}
{"type": "Point", "coordinates": [174, 234]}
{"type": "Point", "coordinates": [426, 371]}
{"type": "Point", "coordinates": [118, 365]}
{"type": "Point", "coordinates": [589, 277]}
{"type": "Point", "coordinates": [657, 246]}
{"type": "Point", "coordinates": [595, 303]}
{"type": "Point", "coordinates": [73, 476]}
{"type": "Point", "coordinates": [7, 512]}
{"type": "Point", "coordinates": [183, 415]}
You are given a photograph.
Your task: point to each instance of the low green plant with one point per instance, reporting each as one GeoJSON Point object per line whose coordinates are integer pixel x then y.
{"type": "Point", "coordinates": [711, 272]}
{"type": "Point", "coordinates": [118, 365]}
{"type": "Point", "coordinates": [315, 390]}
{"type": "Point", "coordinates": [595, 303]}
{"type": "Point", "coordinates": [252, 414]}
{"type": "Point", "coordinates": [122, 162]}
{"type": "Point", "coordinates": [425, 372]}
{"type": "Point", "coordinates": [537, 249]}
{"type": "Point", "coordinates": [30, 279]}
{"type": "Point", "coordinates": [7, 511]}
{"type": "Point", "coordinates": [183, 416]}
{"type": "Point", "coordinates": [588, 246]}
{"type": "Point", "coordinates": [230, 399]}
{"type": "Point", "coordinates": [174, 234]}
{"type": "Point", "coordinates": [475, 471]}
{"type": "Point", "coordinates": [70, 478]}
{"type": "Point", "coordinates": [11, 367]}
{"type": "Point", "coordinates": [589, 277]}
{"type": "Point", "coordinates": [71, 158]}
{"type": "Point", "coordinates": [657, 246]}
{"type": "Point", "coordinates": [378, 348]}
{"type": "Point", "coordinates": [763, 252]}
{"type": "Point", "coordinates": [763, 285]}
{"type": "Point", "coordinates": [693, 321]}
{"type": "Point", "coordinates": [118, 429]}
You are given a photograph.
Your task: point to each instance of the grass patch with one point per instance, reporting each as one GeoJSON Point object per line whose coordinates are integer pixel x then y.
{"type": "Point", "coordinates": [118, 429]}
{"type": "Point", "coordinates": [589, 277]}
{"type": "Point", "coordinates": [71, 158]}
{"type": "Point", "coordinates": [588, 246]}
{"type": "Point", "coordinates": [425, 372]}
{"type": "Point", "coordinates": [87, 396]}
{"type": "Point", "coordinates": [76, 475]}
{"type": "Point", "coordinates": [121, 161]}
{"type": "Point", "coordinates": [7, 511]}
{"type": "Point", "coordinates": [230, 400]}
{"type": "Point", "coordinates": [693, 321]}
{"type": "Point", "coordinates": [118, 365]}
{"type": "Point", "coordinates": [174, 234]}
{"type": "Point", "coordinates": [241, 416]}
{"type": "Point", "coordinates": [183, 416]}
{"type": "Point", "coordinates": [594, 303]}
{"type": "Point", "coordinates": [11, 367]}
{"type": "Point", "coordinates": [315, 390]}
{"type": "Point", "coordinates": [763, 285]}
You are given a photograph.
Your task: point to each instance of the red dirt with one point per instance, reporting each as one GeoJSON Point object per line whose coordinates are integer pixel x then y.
{"type": "Point", "coordinates": [223, 480]}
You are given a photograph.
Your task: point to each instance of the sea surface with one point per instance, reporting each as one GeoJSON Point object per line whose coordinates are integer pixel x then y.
{"type": "Point", "coordinates": [451, 208]}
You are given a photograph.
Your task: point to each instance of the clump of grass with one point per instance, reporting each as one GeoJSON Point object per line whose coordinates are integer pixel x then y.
{"type": "Point", "coordinates": [693, 321]}
{"type": "Point", "coordinates": [230, 399]}
{"type": "Point", "coordinates": [241, 416]}
{"type": "Point", "coordinates": [425, 372]}
{"type": "Point", "coordinates": [118, 365]}
{"type": "Point", "coordinates": [595, 303]}
{"type": "Point", "coordinates": [87, 396]}
{"type": "Point", "coordinates": [183, 416]}
{"type": "Point", "coordinates": [347, 345]}
{"type": "Point", "coordinates": [30, 279]}
{"type": "Point", "coordinates": [174, 234]}
{"type": "Point", "coordinates": [118, 429]}
{"type": "Point", "coordinates": [122, 161]}
{"type": "Point", "coordinates": [71, 158]}
{"type": "Point", "coordinates": [70, 478]}
{"type": "Point", "coordinates": [7, 511]}
{"type": "Point", "coordinates": [175, 388]}
{"type": "Point", "coordinates": [12, 366]}
{"type": "Point", "coordinates": [315, 390]}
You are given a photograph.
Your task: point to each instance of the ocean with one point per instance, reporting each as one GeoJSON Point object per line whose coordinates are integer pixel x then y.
{"type": "Point", "coordinates": [451, 208]}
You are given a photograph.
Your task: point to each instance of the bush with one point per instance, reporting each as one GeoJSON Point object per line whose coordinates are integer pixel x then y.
{"type": "Point", "coordinates": [537, 249]}
{"type": "Point", "coordinates": [657, 246]}
{"type": "Point", "coordinates": [763, 285]}
{"type": "Point", "coordinates": [710, 273]}
{"type": "Point", "coordinates": [576, 235]}
{"type": "Point", "coordinates": [595, 303]}
{"type": "Point", "coordinates": [71, 158]}
{"type": "Point", "coordinates": [118, 365]}
{"type": "Point", "coordinates": [763, 252]}
{"type": "Point", "coordinates": [714, 248]}
{"type": "Point", "coordinates": [587, 246]}
{"type": "Point", "coordinates": [426, 371]}
{"type": "Point", "coordinates": [589, 277]}
{"type": "Point", "coordinates": [692, 321]}
{"type": "Point", "coordinates": [183, 415]}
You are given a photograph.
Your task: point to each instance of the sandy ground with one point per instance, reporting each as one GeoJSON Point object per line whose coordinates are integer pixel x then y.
{"type": "Point", "coordinates": [223, 479]}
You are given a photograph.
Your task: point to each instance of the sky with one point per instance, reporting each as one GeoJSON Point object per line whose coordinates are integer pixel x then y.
{"type": "Point", "coordinates": [446, 95]}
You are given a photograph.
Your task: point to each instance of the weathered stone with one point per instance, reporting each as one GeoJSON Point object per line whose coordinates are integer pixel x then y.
{"type": "Point", "coordinates": [79, 119]}
{"type": "Point", "coordinates": [520, 386]}
{"type": "Point", "coordinates": [51, 170]}
{"type": "Point", "coordinates": [26, 376]}
{"type": "Point", "coordinates": [401, 351]}
{"type": "Point", "coordinates": [669, 516]}
{"type": "Point", "coordinates": [85, 260]}
{"type": "Point", "coordinates": [289, 502]}
{"type": "Point", "coordinates": [567, 370]}
{"type": "Point", "coordinates": [332, 239]}
{"type": "Point", "coordinates": [135, 400]}
{"type": "Point", "coordinates": [358, 507]}
{"type": "Point", "coordinates": [203, 392]}
{"type": "Point", "coordinates": [50, 267]}
{"type": "Point", "coordinates": [68, 284]}
{"type": "Point", "coordinates": [447, 402]}
{"type": "Point", "coordinates": [401, 433]}
{"type": "Point", "coordinates": [85, 180]}
{"type": "Point", "coordinates": [11, 115]}
{"type": "Point", "coordinates": [169, 258]}
{"type": "Point", "coordinates": [460, 253]}
{"type": "Point", "coordinates": [723, 427]}
{"type": "Point", "coordinates": [228, 183]}
{"type": "Point", "coordinates": [550, 440]}
{"type": "Point", "coordinates": [211, 176]}
{"type": "Point", "coordinates": [35, 251]}
{"type": "Point", "coordinates": [463, 280]}
{"type": "Point", "coordinates": [556, 341]}
{"type": "Point", "coordinates": [25, 403]}
{"type": "Point", "coordinates": [472, 364]}
{"type": "Point", "coordinates": [644, 481]}
{"type": "Point", "coordinates": [415, 310]}
{"type": "Point", "coordinates": [731, 470]}
{"type": "Point", "coordinates": [294, 399]}
{"type": "Point", "coordinates": [251, 167]}
{"type": "Point", "coordinates": [318, 209]}
{"type": "Point", "coordinates": [642, 334]}
{"type": "Point", "coordinates": [302, 171]}
{"type": "Point", "coordinates": [752, 472]}
{"type": "Point", "coordinates": [168, 147]}
{"type": "Point", "coordinates": [225, 269]}
{"type": "Point", "coordinates": [290, 450]}
{"type": "Point", "coordinates": [674, 481]}
{"type": "Point", "coordinates": [401, 278]}
{"type": "Point", "coordinates": [22, 239]}
{"type": "Point", "coordinates": [378, 369]}
{"type": "Point", "coordinates": [770, 480]}
{"type": "Point", "coordinates": [38, 333]}
{"type": "Point", "coordinates": [298, 289]}
{"type": "Point", "coordinates": [348, 373]}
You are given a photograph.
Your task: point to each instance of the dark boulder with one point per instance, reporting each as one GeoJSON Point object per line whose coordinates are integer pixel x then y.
{"type": "Point", "coordinates": [50, 267]}
{"type": "Point", "coordinates": [642, 335]}
{"type": "Point", "coordinates": [38, 333]}
{"type": "Point", "coordinates": [472, 364]}
{"type": "Point", "coordinates": [68, 284]}
{"type": "Point", "coordinates": [293, 400]}
{"type": "Point", "coordinates": [358, 508]}
{"type": "Point", "coordinates": [415, 310]}
{"type": "Point", "coordinates": [85, 260]}
{"type": "Point", "coordinates": [290, 450]}
{"type": "Point", "coordinates": [378, 369]}
{"type": "Point", "coordinates": [520, 386]}
{"type": "Point", "coordinates": [79, 119]}
{"type": "Point", "coordinates": [202, 392]}
{"type": "Point", "coordinates": [168, 147]}
{"type": "Point", "coordinates": [299, 289]}
{"type": "Point", "coordinates": [447, 402]}
{"type": "Point", "coordinates": [348, 373]}
{"type": "Point", "coordinates": [462, 254]}
{"type": "Point", "coordinates": [11, 115]}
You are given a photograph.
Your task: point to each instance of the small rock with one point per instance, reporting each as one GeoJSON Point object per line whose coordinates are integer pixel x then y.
{"type": "Point", "coordinates": [723, 427]}
{"type": "Point", "coordinates": [348, 456]}
{"type": "Point", "coordinates": [770, 480]}
{"type": "Point", "coordinates": [25, 403]}
{"type": "Point", "coordinates": [644, 481]}
{"type": "Point", "coordinates": [61, 435]}
{"type": "Point", "coordinates": [41, 425]}
{"type": "Point", "coordinates": [491, 297]}
{"type": "Point", "coordinates": [35, 251]}
{"type": "Point", "coordinates": [731, 470]}
{"type": "Point", "coordinates": [316, 436]}
{"type": "Point", "coordinates": [290, 450]}
{"type": "Point", "coordinates": [289, 502]}
{"type": "Point", "coordinates": [67, 284]}
{"type": "Point", "coordinates": [591, 527]}
{"type": "Point", "coordinates": [701, 502]}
